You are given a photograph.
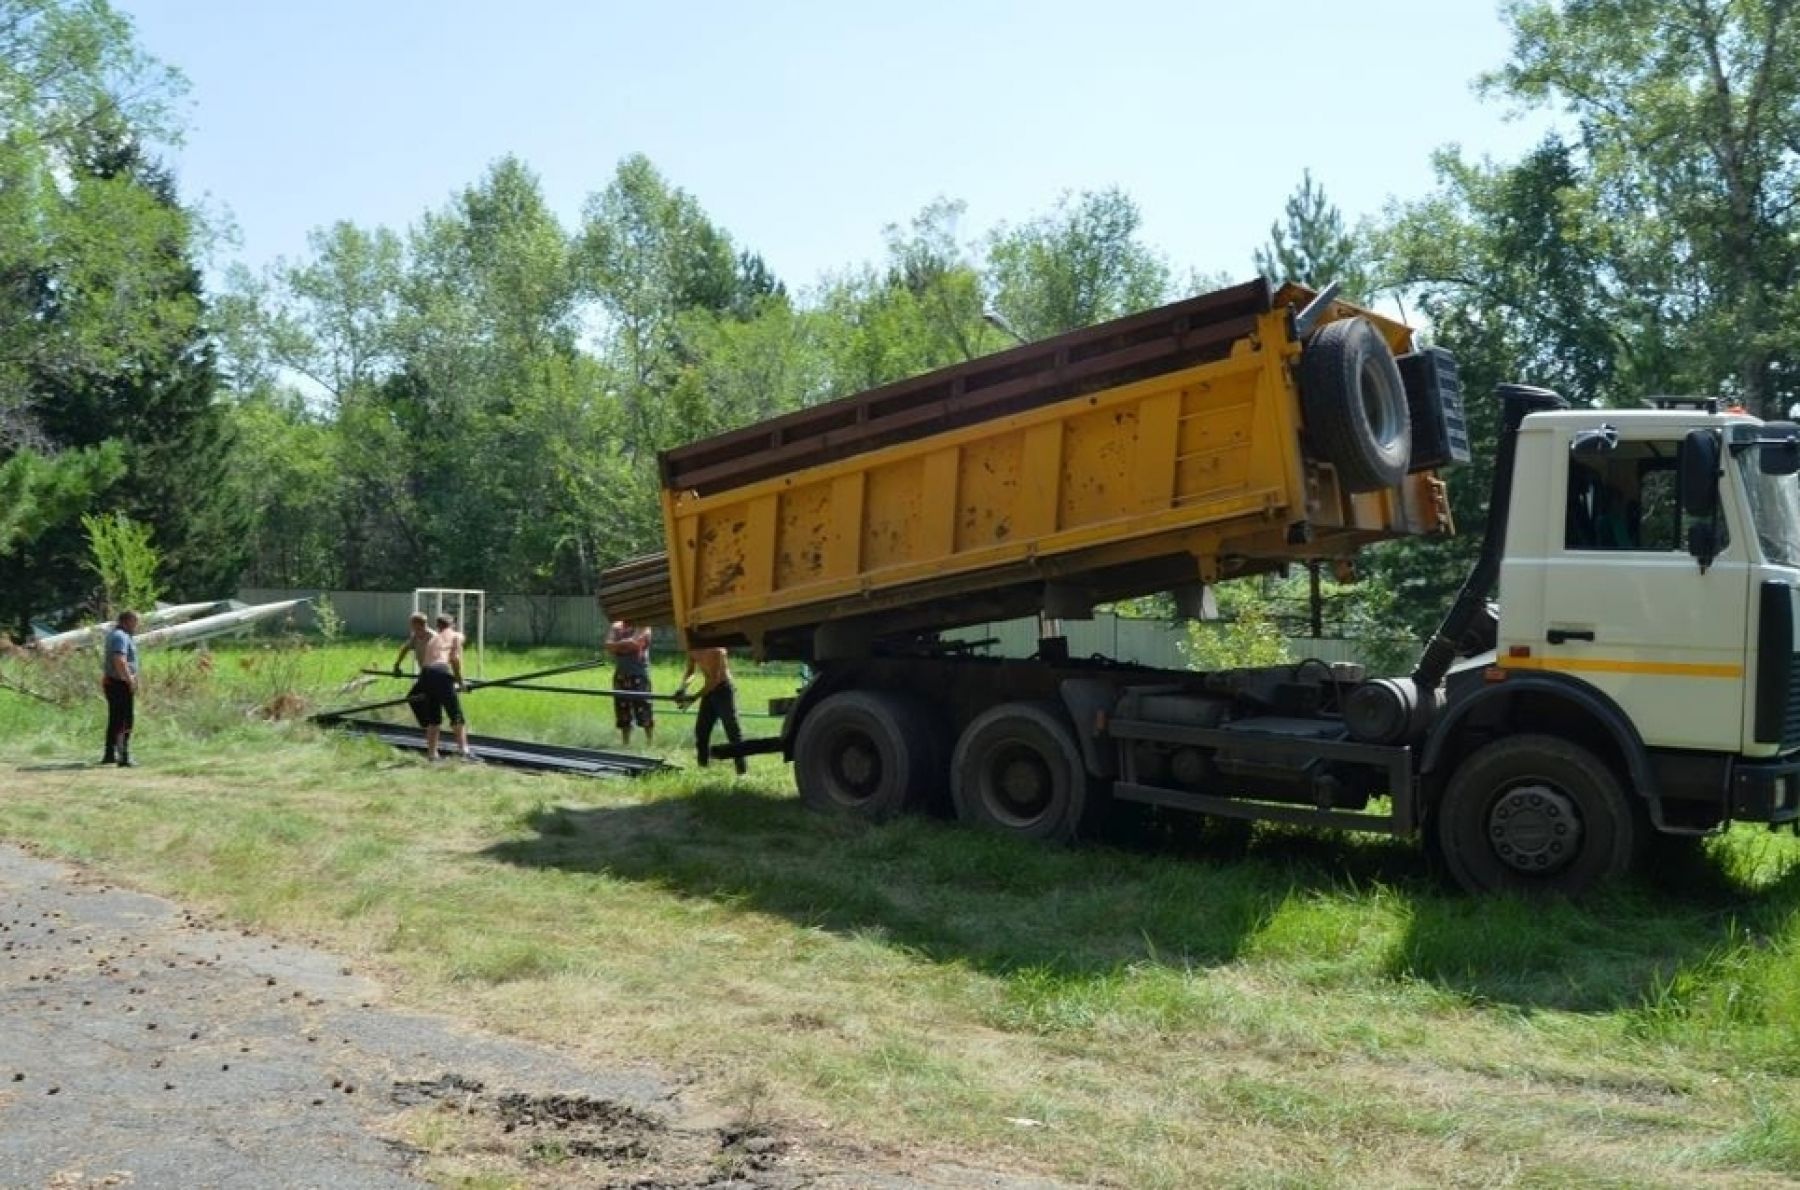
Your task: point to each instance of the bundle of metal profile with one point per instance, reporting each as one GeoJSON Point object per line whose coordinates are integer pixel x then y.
{"type": "Point", "coordinates": [525, 754]}
{"type": "Point", "coordinates": [1166, 339]}
{"type": "Point", "coordinates": [638, 591]}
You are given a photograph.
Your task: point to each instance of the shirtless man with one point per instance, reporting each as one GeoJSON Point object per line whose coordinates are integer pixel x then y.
{"type": "Point", "coordinates": [434, 693]}
{"type": "Point", "coordinates": [718, 701]}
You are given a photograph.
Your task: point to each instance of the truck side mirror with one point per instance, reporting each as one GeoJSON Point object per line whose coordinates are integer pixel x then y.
{"type": "Point", "coordinates": [1699, 475]}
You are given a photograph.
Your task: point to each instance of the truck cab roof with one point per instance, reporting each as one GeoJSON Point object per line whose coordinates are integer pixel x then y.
{"type": "Point", "coordinates": [1641, 419]}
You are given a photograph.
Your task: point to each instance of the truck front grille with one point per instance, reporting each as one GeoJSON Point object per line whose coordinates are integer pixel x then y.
{"type": "Point", "coordinates": [1790, 718]}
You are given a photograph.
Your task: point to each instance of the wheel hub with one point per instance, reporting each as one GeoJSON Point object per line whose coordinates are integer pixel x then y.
{"type": "Point", "coordinates": [1535, 829]}
{"type": "Point", "coordinates": [1021, 786]}
{"type": "Point", "coordinates": [857, 766]}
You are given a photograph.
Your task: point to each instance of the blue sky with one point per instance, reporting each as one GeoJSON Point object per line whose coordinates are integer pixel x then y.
{"type": "Point", "coordinates": [804, 128]}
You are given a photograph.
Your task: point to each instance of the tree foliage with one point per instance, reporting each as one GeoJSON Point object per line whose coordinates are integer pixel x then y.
{"type": "Point", "coordinates": [1687, 114]}
{"type": "Point", "coordinates": [1080, 264]}
{"type": "Point", "coordinates": [107, 382]}
{"type": "Point", "coordinates": [1311, 245]}
{"type": "Point", "coordinates": [122, 557]}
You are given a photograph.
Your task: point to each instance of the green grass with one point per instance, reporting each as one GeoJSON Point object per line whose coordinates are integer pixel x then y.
{"type": "Point", "coordinates": [1290, 1010]}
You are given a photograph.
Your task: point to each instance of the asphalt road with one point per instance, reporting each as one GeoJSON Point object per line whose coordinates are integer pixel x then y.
{"type": "Point", "coordinates": [142, 1047]}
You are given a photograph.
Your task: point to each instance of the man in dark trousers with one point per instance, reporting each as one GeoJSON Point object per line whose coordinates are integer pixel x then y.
{"type": "Point", "coordinates": [629, 645]}
{"type": "Point", "coordinates": [718, 701]}
{"type": "Point", "coordinates": [434, 693]}
{"type": "Point", "coordinates": [118, 681]}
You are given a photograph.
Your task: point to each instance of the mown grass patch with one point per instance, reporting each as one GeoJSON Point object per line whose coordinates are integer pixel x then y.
{"type": "Point", "coordinates": [1277, 1009]}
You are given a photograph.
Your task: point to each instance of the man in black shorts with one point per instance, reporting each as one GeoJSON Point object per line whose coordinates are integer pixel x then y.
{"type": "Point", "coordinates": [434, 693]}
{"type": "Point", "coordinates": [630, 648]}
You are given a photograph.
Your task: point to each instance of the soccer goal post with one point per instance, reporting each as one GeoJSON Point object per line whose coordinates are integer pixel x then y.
{"type": "Point", "coordinates": [460, 605]}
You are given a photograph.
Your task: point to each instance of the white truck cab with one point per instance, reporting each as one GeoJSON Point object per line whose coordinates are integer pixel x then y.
{"type": "Point", "coordinates": [1648, 604]}
{"type": "Point", "coordinates": [1602, 579]}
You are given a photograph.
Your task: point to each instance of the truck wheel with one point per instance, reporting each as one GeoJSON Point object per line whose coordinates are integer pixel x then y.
{"type": "Point", "coordinates": [1355, 406]}
{"type": "Point", "coordinates": [1018, 770]}
{"type": "Point", "coordinates": [1535, 814]}
{"type": "Point", "coordinates": [870, 754]}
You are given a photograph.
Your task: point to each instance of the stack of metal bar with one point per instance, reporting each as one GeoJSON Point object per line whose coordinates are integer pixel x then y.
{"type": "Point", "coordinates": [1179, 335]}
{"type": "Point", "coordinates": [638, 591]}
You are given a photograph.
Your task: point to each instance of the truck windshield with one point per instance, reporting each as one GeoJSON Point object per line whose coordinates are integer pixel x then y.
{"type": "Point", "coordinates": [1775, 510]}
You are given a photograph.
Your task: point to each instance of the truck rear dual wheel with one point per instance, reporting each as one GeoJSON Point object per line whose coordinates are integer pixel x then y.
{"type": "Point", "coordinates": [1018, 770]}
{"type": "Point", "coordinates": [871, 754]}
{"type": "Point", "coordinates": [1355, 406]}
{"type": "Point", "coordinates": [1536, 814]}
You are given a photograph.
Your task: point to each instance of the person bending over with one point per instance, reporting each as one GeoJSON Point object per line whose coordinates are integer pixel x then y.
{"type": "Point", "coordinates": [434, 691]}
{"type": "Point", "coordinates": [718, 701]}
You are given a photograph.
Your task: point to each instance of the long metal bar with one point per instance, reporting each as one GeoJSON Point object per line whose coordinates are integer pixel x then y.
{"type": "Point", "coordinates": [518, 684]}
{"type": "Point", "coordinates": [327, 717]}
{"type": "Point", "coordinates": [577, 667]}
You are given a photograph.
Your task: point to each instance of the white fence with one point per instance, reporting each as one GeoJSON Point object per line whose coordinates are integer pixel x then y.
{"type": "Point", "coordinates": [511, 619]}
{"type": "Point", "coordinates": [576, 621]}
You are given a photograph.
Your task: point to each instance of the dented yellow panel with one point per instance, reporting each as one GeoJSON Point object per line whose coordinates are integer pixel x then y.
{"type": "Point", "coordinates": [1190, 461]}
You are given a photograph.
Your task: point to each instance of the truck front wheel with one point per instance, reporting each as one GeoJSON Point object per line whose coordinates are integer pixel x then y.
{"type": "Point", "coordinates": [1018, 770]}
{"type": "Point", "coordinates": [1535, 814]}
{"type": "Point", "coordinates": [873, 754]}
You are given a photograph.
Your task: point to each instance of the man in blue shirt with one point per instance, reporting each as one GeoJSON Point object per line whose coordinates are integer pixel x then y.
{"type": "Point", "coordinates": [119, 681]}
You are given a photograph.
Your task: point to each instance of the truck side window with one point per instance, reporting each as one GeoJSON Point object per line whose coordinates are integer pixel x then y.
{"type": "Point", "coordinates": [1624, 499]}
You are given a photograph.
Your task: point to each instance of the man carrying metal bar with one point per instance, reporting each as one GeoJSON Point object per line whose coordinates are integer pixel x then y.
{"type": "Point", "coordinates": [434, 692]}
{"type": "Point", "coordinates": [630, 648]}
{"type": "Point", "coordinates": [718, 702]}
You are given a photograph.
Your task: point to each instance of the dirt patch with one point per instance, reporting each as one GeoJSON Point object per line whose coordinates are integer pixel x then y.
{"type": "Point", "coordinates": [582, 1140]}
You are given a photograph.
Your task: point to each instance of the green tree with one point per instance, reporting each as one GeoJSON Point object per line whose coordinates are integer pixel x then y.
{"type": "Point", "coordinates": [1078, 265]}
{"type": "Point", "coordinates": [1506, 264]}
{"type": "Point", "coordinates": [1688, 117]}
{"type": "Point", "coordinates": [121, 556]}
{"type": "Point", "coordinates": [1310, 244]}
{"type": "Point", "coordinates": [922, 308]}
{"type": "Point", "coordinates": [105, 377]}
{"type": "Point", "coordinates": [331, 320]}
{"type": "Point", "coordinates": [746, 369]}
{"type": "Point", "coordinates": [929, 263]}
{"type": "Point", "coordinates": [284, 472]}
{"type": "Point", "coordinates": [1245, 636]}
{"type": "Point", "coordinates": [648, 256]}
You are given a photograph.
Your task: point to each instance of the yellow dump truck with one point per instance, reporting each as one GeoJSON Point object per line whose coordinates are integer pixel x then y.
{"type": "Point", "coordinates": [1641, 680]}
{"type": "Point", "coordinates": [1195, 442]}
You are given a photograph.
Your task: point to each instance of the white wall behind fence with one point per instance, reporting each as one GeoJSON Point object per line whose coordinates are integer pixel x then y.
{"type": "Point", "coordinates": [511, 619]}
{"type": "Point", "coordinates": [575, 621]}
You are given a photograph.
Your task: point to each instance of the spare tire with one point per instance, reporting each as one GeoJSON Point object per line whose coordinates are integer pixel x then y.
{"type": "Point", "coordinates": [1355, 407]}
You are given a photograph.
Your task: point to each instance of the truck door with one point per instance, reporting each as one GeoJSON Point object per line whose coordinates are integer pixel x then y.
{"type": "Point", "coordinates": [1628, 610]}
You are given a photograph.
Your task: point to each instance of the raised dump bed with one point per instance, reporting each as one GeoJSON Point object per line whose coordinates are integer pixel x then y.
{"type": "Point", "coordinates": [1224, 435]}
